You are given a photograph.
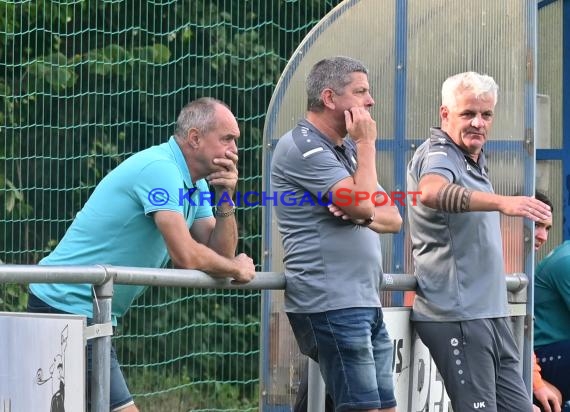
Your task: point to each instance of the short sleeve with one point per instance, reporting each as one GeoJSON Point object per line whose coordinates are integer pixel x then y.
{"type": "Point", "coordinates": [440, 159]}
{"type": "Point", "coordinates": [204, 209]}
{"type": "Point", "coordinates": [317, 171]}
{"type": "Point", "coordinates": [160, 186]}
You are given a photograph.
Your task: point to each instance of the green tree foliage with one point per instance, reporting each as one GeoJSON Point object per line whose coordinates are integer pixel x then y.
{"type": "Point", "coordinates": [84, 84]}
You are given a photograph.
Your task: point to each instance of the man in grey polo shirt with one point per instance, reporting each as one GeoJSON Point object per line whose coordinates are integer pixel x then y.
{"type": "Point", "coordinates": [460, 310]}
{"type": "Point", "coordinates": [333, 262]}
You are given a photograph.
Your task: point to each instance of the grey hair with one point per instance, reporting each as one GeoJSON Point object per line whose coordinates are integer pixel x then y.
{"type": "Point", "coordinates": [332, 73]}
{"type": "Point", "coordinates": [478, 84]}
{"type": "Point", "coordinates": [198, 114]}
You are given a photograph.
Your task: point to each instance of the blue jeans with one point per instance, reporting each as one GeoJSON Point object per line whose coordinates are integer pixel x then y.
{"type": "Point", "coordinates": [119, 392]}
{"type": "Point", "coordinates": [354, 353]}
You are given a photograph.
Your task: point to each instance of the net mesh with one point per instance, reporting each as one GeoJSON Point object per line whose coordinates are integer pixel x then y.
{"type": "Point", "coordinates": [85, 84]}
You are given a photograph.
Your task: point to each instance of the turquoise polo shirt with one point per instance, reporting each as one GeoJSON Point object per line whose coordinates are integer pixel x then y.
{"type": "Point", "coordinates": [116, 227]}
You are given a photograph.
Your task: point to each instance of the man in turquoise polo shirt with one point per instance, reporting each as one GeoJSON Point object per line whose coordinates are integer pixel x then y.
{"type": "Point", "coordinates": [154, 207]}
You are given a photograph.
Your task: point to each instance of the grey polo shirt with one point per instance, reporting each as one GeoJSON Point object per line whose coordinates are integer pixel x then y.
{"type": "Point", "coordinates": [458, 256]}
{"type": "Point", "coordinates": [329, 263]}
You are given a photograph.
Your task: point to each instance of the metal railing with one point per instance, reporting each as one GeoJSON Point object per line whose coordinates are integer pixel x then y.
{"type": "Point", "coordinates": [104, 277]}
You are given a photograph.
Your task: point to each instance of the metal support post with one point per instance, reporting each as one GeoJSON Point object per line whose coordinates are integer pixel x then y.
{"type": "Point", "coordinates": [316, 389]}
{"type": "Point", "coordinates": [101, 354]}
